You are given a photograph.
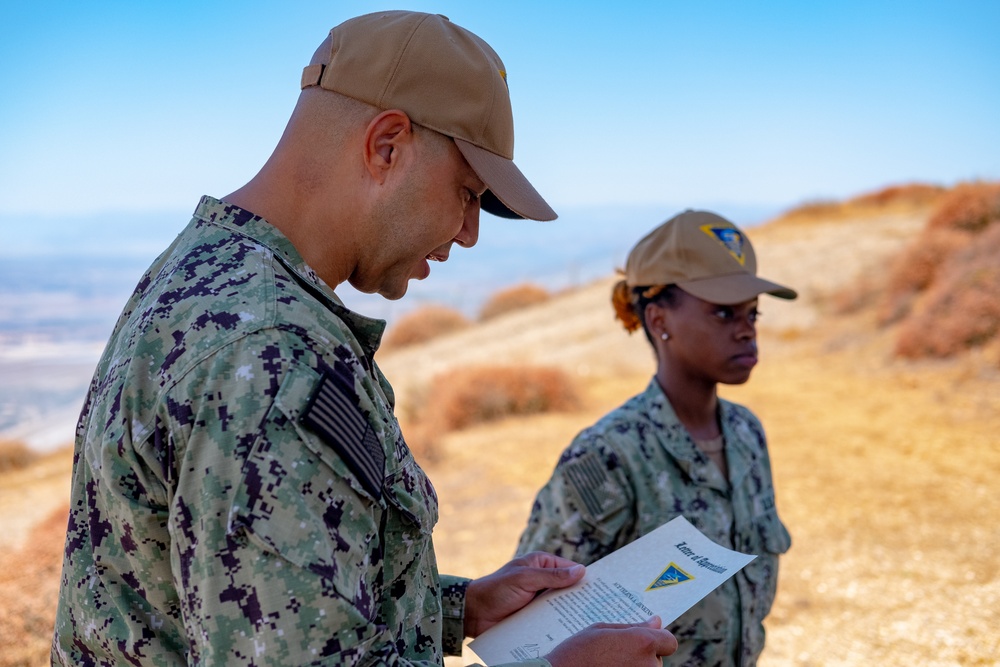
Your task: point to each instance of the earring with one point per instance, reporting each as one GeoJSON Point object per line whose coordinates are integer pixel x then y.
{"type": "Point", "coordinates": [664, 336]}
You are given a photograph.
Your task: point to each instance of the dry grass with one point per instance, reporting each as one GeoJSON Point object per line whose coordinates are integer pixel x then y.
{"type": "Point", "coordinates": [961, 310]}
{"type": "Point", "coordinates": [944, 289]}
{"type": "Point", "coordinates": [511, 299]}
{"type": "Point", "coordinates": [29, 588]}
{"type": "Point", "coordinates": [893, 561]}
{"type": "Point", "coordinates": [15, 455]}
{"type": "Point", "coordinates": [969, 206]}
{"type": "Point", "coordinates": [916, 269]}
{"type": "Point", "coordinates": [895, 198]}
{"type": "Point", "coordinates": [424, 324]}
{"type": "Point", "coordinates": [476, 395]}
{"type": "Point", "coordinates": [911, 194]}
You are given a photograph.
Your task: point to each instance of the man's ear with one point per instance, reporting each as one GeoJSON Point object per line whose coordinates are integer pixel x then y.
{"type": "Point", "coordinates": [385, 137]}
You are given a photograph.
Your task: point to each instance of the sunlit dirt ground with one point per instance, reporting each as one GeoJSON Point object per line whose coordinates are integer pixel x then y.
{"type": "Point", "coordinates": [886, 479]}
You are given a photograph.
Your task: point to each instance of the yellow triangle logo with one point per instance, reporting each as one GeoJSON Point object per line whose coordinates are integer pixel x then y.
{"type": "Point", "coordinates": [730, 238]}
{"type": "Point", "coordinates": [672, 576]}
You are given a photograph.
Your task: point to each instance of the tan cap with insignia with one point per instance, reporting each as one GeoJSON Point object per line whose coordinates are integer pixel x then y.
{"type": "Point", "coordinates": [446, 79]}
{"type": "Point", "coordinates": [705, 255]}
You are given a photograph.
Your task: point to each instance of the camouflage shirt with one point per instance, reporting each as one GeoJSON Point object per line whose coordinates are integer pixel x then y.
{"type": "Point", "coordinates": [636, 469]}
{"type": "Point", "coordinates": [242, 494]}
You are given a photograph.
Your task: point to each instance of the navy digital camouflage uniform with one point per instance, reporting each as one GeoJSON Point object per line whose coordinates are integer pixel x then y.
{"type": "Point", "coordinates": [242, 494]}
{"type": "Point", "coordinates": [636, 469]}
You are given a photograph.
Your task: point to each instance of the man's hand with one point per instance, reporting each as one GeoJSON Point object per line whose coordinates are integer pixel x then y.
{"type": "Point", "coordinates": [609, 644]}
{"type": "Point", "coordinates": [496, 596]}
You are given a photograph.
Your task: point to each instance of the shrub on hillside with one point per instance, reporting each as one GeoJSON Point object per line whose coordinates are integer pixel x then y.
{"type": "Point", "coordinates": [463, 397]}
{"type": "Point", "coordinates": [511, 299]}
{"type": "Point", "coordinates": [15, 455]}
{"type": "Point", "coordinates": [962, 308]}
{"type": "Point", "coordinates": [957, 221]}
{"type": "Point", "coordinates": [423, 324]}
{"type": "Point", "coordinates": [467, 396]}
{"type": "Point", "coordinates": [863, 294]}
{"type": "Point", "coordinates": [916, 268]}
{"type": "Point", "coordinates": [910, 196]}
{"type": "Point", "coordinates": [970, 207]}
{"type": "Point", "coordinates": [916, 194]}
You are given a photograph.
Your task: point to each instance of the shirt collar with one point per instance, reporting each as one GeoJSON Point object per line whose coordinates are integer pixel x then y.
{"type": "Point", "coordinates": [676, 440]}
{"type": "Point", "coordinates": [367, 330]}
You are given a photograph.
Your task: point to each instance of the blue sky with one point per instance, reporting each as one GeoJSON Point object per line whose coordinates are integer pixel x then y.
{"type": "Point", "coordinates": [141, 107]}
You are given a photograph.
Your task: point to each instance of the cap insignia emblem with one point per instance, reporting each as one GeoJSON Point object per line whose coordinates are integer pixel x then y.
{"type": "Point", "coordinates": [731, 239]}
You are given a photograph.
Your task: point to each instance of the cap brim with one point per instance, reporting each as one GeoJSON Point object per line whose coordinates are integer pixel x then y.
{"type": "Point", "coordinates": [509, 193]}
{"type": "Point", "coordinates": [734, 288]}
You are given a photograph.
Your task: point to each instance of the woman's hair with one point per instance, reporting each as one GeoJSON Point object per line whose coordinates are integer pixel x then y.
{"type": "Point", "coordinates": [630, 303]}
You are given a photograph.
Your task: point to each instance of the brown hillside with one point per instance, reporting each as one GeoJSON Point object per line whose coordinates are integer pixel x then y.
{"type": "Point", "coordinates": [885, 467]}
{"type": "Point", "coordinates": [893, 561]}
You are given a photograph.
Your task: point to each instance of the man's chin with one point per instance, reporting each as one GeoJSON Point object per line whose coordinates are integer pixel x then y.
{"type": "Point", "coordinates": [390, 294]}
{"type": "Point", "coordinates": [394, 292]}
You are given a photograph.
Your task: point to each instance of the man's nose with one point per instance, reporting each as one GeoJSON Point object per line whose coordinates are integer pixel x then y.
{"type": "Point", "coordinates": [468, 235]}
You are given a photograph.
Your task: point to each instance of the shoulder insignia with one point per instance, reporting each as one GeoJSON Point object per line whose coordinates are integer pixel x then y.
{"type": "Point", "coordinates": [340, 423]}
{"type": "Point", "coordinates": [588, 479]}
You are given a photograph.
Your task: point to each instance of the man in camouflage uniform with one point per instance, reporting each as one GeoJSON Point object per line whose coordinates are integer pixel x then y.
{"type": "Point", "coordinates": [639, 466]}
{"type": "Point", "coordinates": [242, 494]}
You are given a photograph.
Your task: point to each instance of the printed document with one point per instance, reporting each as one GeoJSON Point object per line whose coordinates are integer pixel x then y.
{"type": "Point", "coordinates": [663, 574]}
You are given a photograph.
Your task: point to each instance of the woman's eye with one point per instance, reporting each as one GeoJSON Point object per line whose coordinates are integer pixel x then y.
{"type": "Point", "coordinates": [754, 315]}
{"type": "Point", "coordinates": [724, 313]}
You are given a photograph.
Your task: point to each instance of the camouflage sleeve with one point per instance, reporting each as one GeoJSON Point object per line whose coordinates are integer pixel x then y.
{"type": "Point", "coordinates": [582, 510]}
{"type": "Point", "coordinates": [453, 591]}
{"type": "Point", "coordinates": [275, 543]}
{"type": "Point", "coordinates": [453, 601]}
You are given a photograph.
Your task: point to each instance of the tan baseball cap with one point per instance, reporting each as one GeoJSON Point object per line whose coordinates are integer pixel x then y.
{"type": "Point", "coordinates": [703, 254]}
{"type": "Point", "coordinates": [444, 78]}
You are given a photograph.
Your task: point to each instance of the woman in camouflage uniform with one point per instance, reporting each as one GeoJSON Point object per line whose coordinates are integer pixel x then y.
{"type": "Point", "coordinates": [677, 448]}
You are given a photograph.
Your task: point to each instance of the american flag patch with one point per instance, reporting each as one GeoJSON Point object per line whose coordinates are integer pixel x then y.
{"type": "Point", "coordinates": [588, 476]}
{"type": "Point", "coordinates": [339, 421]}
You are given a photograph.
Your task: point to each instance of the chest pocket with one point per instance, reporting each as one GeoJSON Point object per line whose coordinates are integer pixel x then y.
{"type": "Point", "coordinates": [767, 538]}
{"type": "Point", "coordinates": [767, 534]}
{"type": "Point", "coordinates": [410, 577]}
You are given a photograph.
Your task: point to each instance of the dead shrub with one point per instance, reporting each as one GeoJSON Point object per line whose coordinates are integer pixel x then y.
{"type": "Point", "coordinates": [29, 588]}
{"type": "Point", "coordinates": [959, 218]}
{"type": "Point", "coordinates": [915, 269]}
{"type": "Point", "coordinates": [943, 289]}
{"type": "Point", "coordinates": [511, 299]}
{"type": "Point", "coordinates": [893, 198]}
{"type": "Point", "coordinates": [962, 309]}
{"type": "Point", "coordinates": [423, 324]}
{"type": "Point", "coordinates": [467, 396]}
{"type": "Point", "coordinates": [865, 293]}
{"type": "Point", "coordinates": [15, 455]}
{"type": "Point", "coordinates": [909, 194]}
{"type": "Point", "coordinates": [969, 206]}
